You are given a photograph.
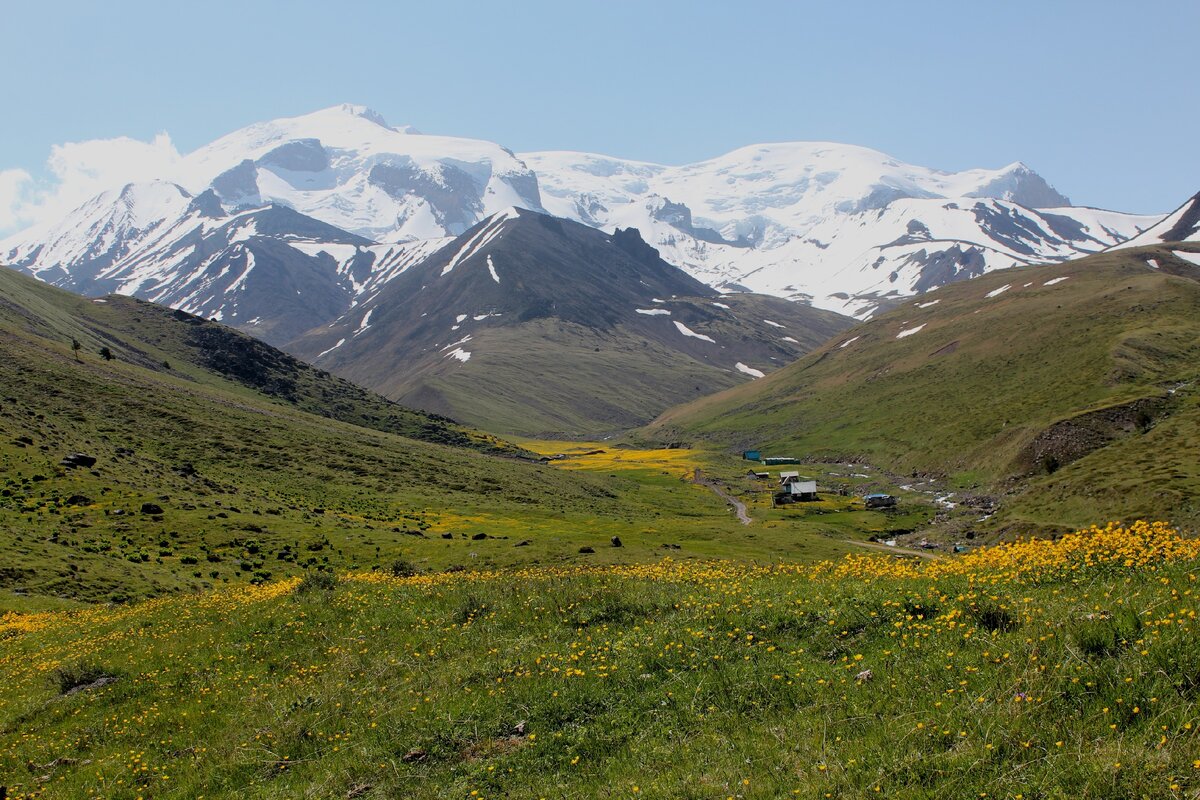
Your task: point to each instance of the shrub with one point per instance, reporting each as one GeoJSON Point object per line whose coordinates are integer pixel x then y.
{"type": "Point", "coordinates": [317, 581]}
{"type": "Point", "coordinates": [403, 568]}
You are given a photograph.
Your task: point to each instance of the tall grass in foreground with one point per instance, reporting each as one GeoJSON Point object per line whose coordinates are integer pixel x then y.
{"type": "Point", "coordinates": [1037, 669]}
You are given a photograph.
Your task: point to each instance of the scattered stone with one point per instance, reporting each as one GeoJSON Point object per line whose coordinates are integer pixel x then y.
{"type": "Point", "coordinates": [523, 543]}
{"type": "Point", "coordinates": [479, 536]}
{"type": "Point", "coordinates": [586, 549]}
{"type": "Point", "coordinates": [616, 541]}
{"type": "Point", "coordinates": [669, 546]}
{"type": "Point", "coordinates": [79, 500]}
{"type": "Point", "coordinates": [359, 789]}
{"type": "Point", "coordinates": [99, 683]}
{"type": "Point", "coordinates": [151, 508]}
{"type": "Point", "coordinates": [447, 535]}
{"type": "Point", "coordinates": [116, 512]}
{"type": "Point", "coordinates": [78, 460]}
{"type": "Point", "coordinates": [414, 756]}
{"type": "Point", "coordinates": [864, 676]}
{"type": "Point", "coordinates": [519, 728]}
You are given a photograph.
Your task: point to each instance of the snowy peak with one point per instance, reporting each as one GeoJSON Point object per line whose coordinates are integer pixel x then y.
{"type": "Point", "coordinates": [345, 165]}
{"type": "Point", "coordinates": [1019, 184]}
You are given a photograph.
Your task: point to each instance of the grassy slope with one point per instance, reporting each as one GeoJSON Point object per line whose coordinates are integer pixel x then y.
{"type": "Point", "coordinates": [252, 487]}
{"type": "Point", "coordinates": [162, 340]}
{"type": "Point", "coordinates": [968, 394]}
{"type": "Point", "coordinates": [1004, 676]}
{"type": "Point", "coordinates": [548, 376]}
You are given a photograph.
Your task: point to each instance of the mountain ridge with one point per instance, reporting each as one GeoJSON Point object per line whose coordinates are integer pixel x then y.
{"type": "Point", "coordinates": [818, 222]}
{"type": "Point", "coordinates": [586, 332]}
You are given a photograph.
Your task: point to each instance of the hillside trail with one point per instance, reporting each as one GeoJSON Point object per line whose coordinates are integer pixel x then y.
{"type": "Point", "coordinates": [894, 550]}
{"type": "Point", "coordinates": [738, 506]}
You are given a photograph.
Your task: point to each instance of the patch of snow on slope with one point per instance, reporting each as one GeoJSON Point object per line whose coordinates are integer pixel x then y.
{"type": "Point", "coordinates": [365, 323]}
{"type": "Point", "coordinates": [721, 305]}
{"type": "Point", "coordinates": [1152, 263]}
{"type": "Point", "coordinates": [653, 312]}
{"type": "Point", "coordinates": [489, 315]}
{"type": "Point", "coordinates": [751, 371]}
{"type": "Point", "coordinates": [776, 324]}
{"type": "Point", "coordinates": [335, 250]}
{"type": "Point", "coordinates": [1055, 280]}
{"type": "Point", "coordinates": [930, 303]}
{"type": "Point", "coordinates": [461, 341]}
{"type": "Point", "coordinates": [481, 239]}
{"type": "Point", "coordinates": [910, 331]}
{"type": "Point", "coordinates": [998, 292]}
{"type": "Point", "coordinates": [492, 269]}
{"type": "Point", "coordinates": [241, 279]}
{"type": "Point", "coordinates": [460, 354]}
{"type": "Point", "coordinates": [330, 350]}
{"type": "Point", "coordinates": [848, 342]}
{"type": "Point", "coordinates": [686, 331]}
{"type": "Point", "coordinates": [1191, 258]}
{"type": "Point", "coordinates": [789, 339]}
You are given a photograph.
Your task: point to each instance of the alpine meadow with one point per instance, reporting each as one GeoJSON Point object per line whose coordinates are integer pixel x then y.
{"type": "Point", "coordinates": [342, 458]}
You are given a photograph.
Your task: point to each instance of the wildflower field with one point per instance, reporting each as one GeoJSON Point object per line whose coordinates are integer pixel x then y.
{"type": "Point", "coordinates": [1034, 669]}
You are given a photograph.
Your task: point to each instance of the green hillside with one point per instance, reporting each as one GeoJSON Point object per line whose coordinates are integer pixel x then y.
{"type": "Point", "coordinates": [210, 469]}
{"type": "Point", "coordinates": [1069, 395]}
{"type": "Point", "coordinates": [188, 347]}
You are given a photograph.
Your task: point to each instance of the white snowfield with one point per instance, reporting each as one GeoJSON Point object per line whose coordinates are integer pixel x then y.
{"type": "Point", "coordinates": [910, 331]}
{"type": "Point", "coordinates": [653, 312]}
{"type": "Point", "coordinates": [329, 176]}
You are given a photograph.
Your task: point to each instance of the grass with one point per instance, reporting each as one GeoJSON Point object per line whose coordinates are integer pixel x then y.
{"type": "Point", "coordinates": [992, 395]}
{"type": "Point", "coordinates": [254, 487]}
{"type": "Point", "coordinates": [1042, 670]}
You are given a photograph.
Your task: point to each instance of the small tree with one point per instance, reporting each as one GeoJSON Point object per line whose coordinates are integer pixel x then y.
{"type": "Point", "coordinates": [106, 354]}
{"type": "Point", "coordinates": [75, 345]}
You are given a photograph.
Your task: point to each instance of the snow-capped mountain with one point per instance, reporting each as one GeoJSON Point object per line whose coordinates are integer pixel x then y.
{"type": "Point", "coordinates": [842, 227]}
{"type": "Point", "coordinates": [346, 166]}
{"type": "Point", "coordinates": [269, 270]}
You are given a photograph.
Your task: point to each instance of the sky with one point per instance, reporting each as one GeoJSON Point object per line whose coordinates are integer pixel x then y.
{"type": "Point", "coordinates": [1097, 96]}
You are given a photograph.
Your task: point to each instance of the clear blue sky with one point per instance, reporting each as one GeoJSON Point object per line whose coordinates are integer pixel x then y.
{"type": "Point", "coordinates": [1098, 96]}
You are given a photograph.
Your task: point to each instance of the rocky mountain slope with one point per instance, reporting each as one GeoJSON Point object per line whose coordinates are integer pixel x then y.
{"type": "Point", "coordinates": [532, 324]}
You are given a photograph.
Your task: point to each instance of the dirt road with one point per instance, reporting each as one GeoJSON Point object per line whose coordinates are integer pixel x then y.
{"type": "Point", "coordinates": [739, 507]}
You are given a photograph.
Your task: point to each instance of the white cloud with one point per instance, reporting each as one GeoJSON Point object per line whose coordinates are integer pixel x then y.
{"type": "Point", "coordinates": [79, 171]}
{"type": "Point", "coordinates": [15, 190]}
